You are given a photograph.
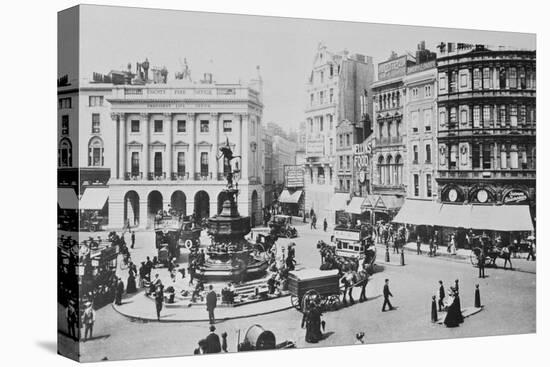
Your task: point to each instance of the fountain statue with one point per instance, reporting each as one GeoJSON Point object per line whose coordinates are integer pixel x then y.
{"type": "Point", "coordinates": [230, 257]}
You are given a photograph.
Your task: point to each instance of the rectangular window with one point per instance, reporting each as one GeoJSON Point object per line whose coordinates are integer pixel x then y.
{"type": "Point", "coordinates": [348, 162]}
{"type": "Point", "coordinates": [428, 153]}
{"type": "Point", "coordinates": [416, 185]}
{"type": "Point", "coordinates": [452, 86]}
{"type": "Point", "coordinates": [429, 185]}
{"type": "Point", "coordinates": [135, 126]}
{"type": "Point", "coordinates": [512, 78]}
{"type": "Point", "coordinates": [415, 154]}
{"type": "Point", "coordinates": [158, 164]}
{"type": "Point", "coordinates": [135, 164]}
{"type": "Point", "coordinates": [182, 126]}
{"type": "Point", "coordinates": [65, 103]}
{"type": "Point", "coordinates": [513, 115]}
{"type": "Point", "coordinates": [522, 114]}
{"type": "Point", "coordinates": [428, 91]}
{"type": "Point", "coordinates": [487, 153]}
{"type": "Point", "coordinates": [502, 115]}
{"type": "Point", "coordinates": [204, 164]}
{"type": "Point", "coordinates": [414, 121]}
{"type": "Point", "coordinates": [464, 116]}
{"type": "Point", "coordinates": [65, 125]}
{"type": "Point", "coordinates": [487, 79]}
{"type": "Point", "coordinates": [522, 83]}
{"type": "Point", "coordinates": [442, 82]}
{"type": "Point", "coordinates": [514, 159]}
{"type": "Point", "coordinates": [205, 126]}
{"type": "Point", "coordinates": [341, 162]}
{"type": "Point", "coordinates": [453, 117]}
{"type": "Point", "coordinates": [428, 120]}
{"type": "Point", "coordinates": [331, 95]}
{"type": "Point", "coordinates": [442, 117]}
{"type": "Point", "coordinates": [96, 156]}
{"type": "Point", "coordinates": [95, 123]}
{"type": "Point", "coordinates": [311, 99]}
{"type": "Point", "coordinates": [181, 164]}
{"type": "Point", "coordinates": [502, 78]}
{"type": "Point", "coordinates": [96, 101]}
{"type": "Point", "coordinates": [348, 142]}
{"type": "Point", "coordinates": [158, 126]}
{"type": "Point", "coordinates": [227, 127]}
{"type": "Point", "coordinates": [477, 117]}
{"type": "Point", "coordinates": [463, 79]}
{"type": "Point", "coordinates": [477, 79]}
{"type": "Point", "coordinates": [330, 121]}
{"type": "Point", "coordinates": [487, 118]}
{"type": "Point", "coordinates": [321, 97]}
{"type": "Point", "coordinates": [453, 158]}
{"type": "Point", "coordinates": [331, 146]}
{"type": "Point", "coordinates": [476, 156]}
{"type": "Point", "coordinates": [321, 123]}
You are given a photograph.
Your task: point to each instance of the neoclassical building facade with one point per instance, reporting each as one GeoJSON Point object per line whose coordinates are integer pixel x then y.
{"type": "Point", "coordinates": [167, 150]}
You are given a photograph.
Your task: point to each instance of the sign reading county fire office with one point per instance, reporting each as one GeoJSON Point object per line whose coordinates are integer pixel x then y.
{"type": "Point", "coordinates": [294, 176]}
{"type": "Point", "coordinates": [393, 68]}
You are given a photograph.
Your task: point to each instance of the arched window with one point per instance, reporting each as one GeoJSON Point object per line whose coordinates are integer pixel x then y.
{"type": "Point", "coordinates": [398, 170]}
{"type": "Point", "coordinates": [389, 170]}
{"type": "Point", "coordinates": [380, 170]}
{"type": "Point", "coordinates": [95, 153]}
{"type": "Point", "coordinates": [65, 153]}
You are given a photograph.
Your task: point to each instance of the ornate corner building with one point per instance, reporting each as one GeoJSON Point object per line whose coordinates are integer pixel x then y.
{"type": "Point", "coordinates": [486, 125]}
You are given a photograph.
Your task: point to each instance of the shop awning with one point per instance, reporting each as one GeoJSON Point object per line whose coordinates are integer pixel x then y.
{"type": "Point", "coordinates": [501, 217]}
{"type": "Point", "coordinates": [389, 202]}
{"type": "Point", "coordinates": [94, 198]}
{"type": "Point", "coordinates": [418, 212]}
{"type": "Point", "coordinates": [66, 198]}
{"type": "Point", "coordinates": [339, 201]}
{"type": "Point", "coordinates": [287, 197]}
{"type": "Point", "coordinates": [370, 201]}
{"type": "Point", "coordinates": [456, 216]}
{"type": "Point", "coordinates": [355, 206]}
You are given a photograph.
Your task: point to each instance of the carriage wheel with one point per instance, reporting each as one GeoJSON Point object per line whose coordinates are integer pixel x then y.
{"type": "Point", "coordinates": [295, 302]}
{"type": "Point", "coordinates": [474, 256]}
{"type": "Point", "coordinates": [312, 293]}
{"type": "Point", "coordinates": [333, 303]}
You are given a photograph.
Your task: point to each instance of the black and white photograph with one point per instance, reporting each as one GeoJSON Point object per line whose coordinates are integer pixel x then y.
{"type": "Point", "coordinates": [233, 183]}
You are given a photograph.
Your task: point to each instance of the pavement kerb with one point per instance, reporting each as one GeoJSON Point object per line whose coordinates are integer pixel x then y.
{"type": "Point", "coordinates": [218, 319]}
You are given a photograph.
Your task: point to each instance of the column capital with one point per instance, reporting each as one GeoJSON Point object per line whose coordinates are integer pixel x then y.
{"type": "Point", "coordinates": [117, 115]}
{"type": "Point", "coordinates": [167, 115]}
{"type": "Point", "coordinates": [190, 115]}
{"type": "Point", "coordinates": [214, 115]}
{"type": "Point", "coordinates": [144, 115]}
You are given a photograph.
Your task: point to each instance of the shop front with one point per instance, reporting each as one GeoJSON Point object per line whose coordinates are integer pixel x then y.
{"type": "Point", "coordinates": [292, 202]}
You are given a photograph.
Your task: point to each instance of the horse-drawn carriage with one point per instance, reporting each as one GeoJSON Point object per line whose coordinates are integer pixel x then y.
{"type": "Point", "coordinates": [280, 226]}
{"type": "Point", "coordinates": [485, 250]}
{"type": "Point", "coordinates": [309, 284]}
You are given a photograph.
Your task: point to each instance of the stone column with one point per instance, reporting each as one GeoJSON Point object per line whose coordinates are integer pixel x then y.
{"type": "Point", "coordinates": [192, 144]}
{"type": "Point", "coordinates": [214, 120]}
{"type": "Point", "coordinates": [168, 118]}
{"type": "Point", "coordinates": [145, 126]}
{"type": "Point", "coordinates": [238, 133]}
{"type": "Point", "coordinates": [245, 146]}
{"type": "Point", "coordinates": [123, 147]}
{"type": "Point", "coordinates": [114, 117]}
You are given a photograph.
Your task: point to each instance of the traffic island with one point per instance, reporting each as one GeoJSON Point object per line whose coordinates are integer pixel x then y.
{"type": "Point", "coordinates": [141, 307]}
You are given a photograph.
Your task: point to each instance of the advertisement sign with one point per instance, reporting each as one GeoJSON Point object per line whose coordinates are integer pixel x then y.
{"type": "Point", "coordinates": [346, 235]}
{"type": "Point", "coordinates": [393, 68]}
{"type": "Point", "coordinates": [315, 147]}
{"type": "Point", "coordinates": [294, 176]}
{"type": "Point", "coordinates": [515, 197]}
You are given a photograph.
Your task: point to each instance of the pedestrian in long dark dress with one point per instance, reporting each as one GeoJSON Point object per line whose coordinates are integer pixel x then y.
{"type": "Point", "coordinates": [454, 315]}
{"type": "Point", "coordinates": [159, 299]}
{"type": "Point", "coordinates": [477, 301]}
{"type": "Point", "coordinates": [364, 282]}
{"type": "Point", "coordinates": [441, 296]}
{"type": "Point", "coordinates": [311, 320]}
{"type": "Point", "coordinates": [434, 310]}
{"type": "Point", "coordinates": [119, 292]}
{"type": "Point", "coordinates": [131, 284]}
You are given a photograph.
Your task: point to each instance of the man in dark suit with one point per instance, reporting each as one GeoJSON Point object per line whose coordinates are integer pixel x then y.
{"type": "Point", "coordinates": [211, 301]}
{"type": "Point", "coordinates": [133, 239]}
{"type": "Point", "coordinates": [441, 296]}
{"type": "Point", "coordinates": [387, 295]}
{"type": "Point", "coordinates": [481, 264]}
{"type": "Point", "coordinates": [213, 341]}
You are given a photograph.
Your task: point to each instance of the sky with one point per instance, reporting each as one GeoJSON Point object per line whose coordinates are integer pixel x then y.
{"type": "Point", "coordinates": [231, 46]}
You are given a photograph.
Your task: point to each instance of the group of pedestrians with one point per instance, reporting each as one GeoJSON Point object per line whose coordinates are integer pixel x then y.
{"type": "Point", "coordinates": [75, 320]}
{"type": "Point", "coordinates": [212, 344]}
{"type": "Point", "coordinates": [449, 302]}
